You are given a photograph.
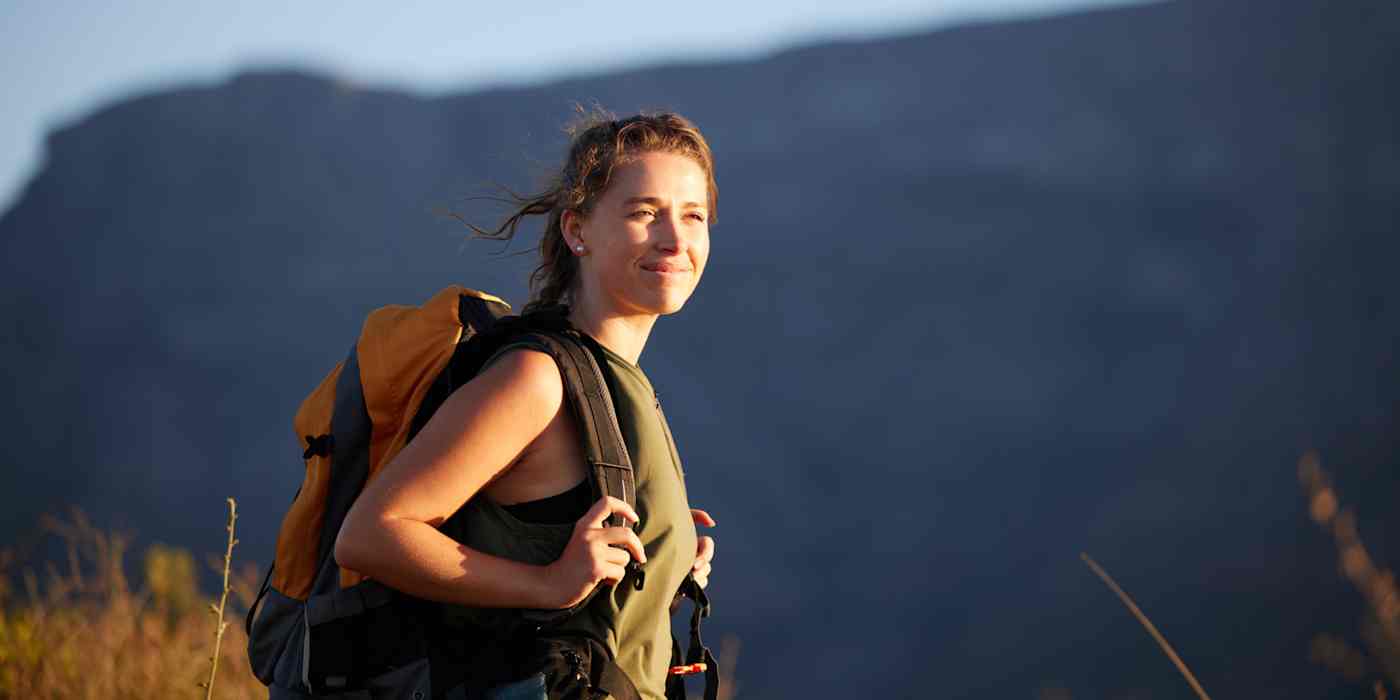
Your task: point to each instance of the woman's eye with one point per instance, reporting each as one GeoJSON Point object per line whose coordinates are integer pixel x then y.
{"type": "Point", "coordinates": [697, 216]}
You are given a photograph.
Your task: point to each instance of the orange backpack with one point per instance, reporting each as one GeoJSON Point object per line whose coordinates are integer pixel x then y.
{"type": "Point", "coordinates": [317, 629]}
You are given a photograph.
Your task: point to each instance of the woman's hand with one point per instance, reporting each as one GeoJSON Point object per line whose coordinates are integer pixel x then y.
{"type": "Point", "coordinates": [704, 548]}
{"type": "Point", "coordinates": [595, 554]}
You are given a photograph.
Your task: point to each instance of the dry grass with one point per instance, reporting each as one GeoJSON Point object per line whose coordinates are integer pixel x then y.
{"type": "Point", "coordinates": [221, 627]}
{"type": "Point", "coordinates": [85, 632]}
{"type": "Point", "coordinates": [1147, 625]}
{"type": "Point", "coordinates": [1380, 626]}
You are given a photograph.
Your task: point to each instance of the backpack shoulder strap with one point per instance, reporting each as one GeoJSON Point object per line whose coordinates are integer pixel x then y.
{"type": "Point", "coordinates": [582, 368]}
{"type": "Point", "coordinates": [590, 402]}
{"type": "Point", "coordinates": [603, 444]}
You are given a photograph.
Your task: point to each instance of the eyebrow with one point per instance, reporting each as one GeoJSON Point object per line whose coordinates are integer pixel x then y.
{"type": "Point", "coordinates": [656, 202]}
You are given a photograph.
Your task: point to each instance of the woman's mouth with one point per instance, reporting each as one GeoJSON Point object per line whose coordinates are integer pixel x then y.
{"type": "Point", "coordinates": [666, 269]}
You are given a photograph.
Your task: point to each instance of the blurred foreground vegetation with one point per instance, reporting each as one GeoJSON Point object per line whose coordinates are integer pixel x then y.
{"type": "Point", "coordinates": [82, 630]}
{"type": "Point", "coordinates": [1380, 623]}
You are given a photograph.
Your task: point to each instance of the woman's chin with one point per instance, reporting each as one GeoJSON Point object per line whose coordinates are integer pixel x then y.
{"type": "Point", "coordinates": [664, 304]}
{"type": "Point", "coordinates": [659, 300]}
{"type": "Point", "coordinates": [673, 308]}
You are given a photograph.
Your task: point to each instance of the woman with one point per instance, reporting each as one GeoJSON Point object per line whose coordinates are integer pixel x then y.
{"type": "Point", "coordinates": [626, 241]}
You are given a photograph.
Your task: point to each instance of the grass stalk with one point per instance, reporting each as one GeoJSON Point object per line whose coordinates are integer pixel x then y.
{"type": "Point", "coordinates": [1146, 623]}
{"type": "Point", "coordinates": [218, 611]}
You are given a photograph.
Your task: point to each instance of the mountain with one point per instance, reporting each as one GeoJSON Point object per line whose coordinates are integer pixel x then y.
{"type": "Point", "coordinates": [979, 299]}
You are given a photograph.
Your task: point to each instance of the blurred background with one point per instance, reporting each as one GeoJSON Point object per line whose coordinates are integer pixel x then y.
{"type": "Point", "coordinates": [993, 283]}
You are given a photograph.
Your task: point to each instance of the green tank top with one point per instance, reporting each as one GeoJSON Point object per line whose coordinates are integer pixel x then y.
{"type": "Point", "coordinates": [636, 625]}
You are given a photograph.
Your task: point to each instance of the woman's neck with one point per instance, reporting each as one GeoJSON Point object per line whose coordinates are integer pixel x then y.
{"type": "Point", "coordinates": [623, 334]}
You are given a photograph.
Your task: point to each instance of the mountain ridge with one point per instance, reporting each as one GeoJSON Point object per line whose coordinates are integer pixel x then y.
{"type": "Point", "coordinates": [978, 300]}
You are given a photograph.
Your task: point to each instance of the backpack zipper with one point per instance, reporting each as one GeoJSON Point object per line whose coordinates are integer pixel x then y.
{"type": "Point", "coordinates": [576, 666]}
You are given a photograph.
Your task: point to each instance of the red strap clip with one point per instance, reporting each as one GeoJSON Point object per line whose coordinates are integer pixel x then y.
{"type": "Point", "coordinates": [688, 669]}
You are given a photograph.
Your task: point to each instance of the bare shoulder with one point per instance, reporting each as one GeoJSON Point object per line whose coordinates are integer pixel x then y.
{"type": "Point", "coordinates": [524, 373]}
{"type": "Point", "coordinates": [512, 400]}
{"type": "Point", "coordinates": [477, 433]}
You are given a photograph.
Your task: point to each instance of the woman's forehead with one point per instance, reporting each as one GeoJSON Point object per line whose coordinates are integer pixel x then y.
{"type": "Point", "coordinates": [667, 175]}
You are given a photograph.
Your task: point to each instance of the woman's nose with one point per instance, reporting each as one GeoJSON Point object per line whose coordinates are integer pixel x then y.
{"type": "Point", "coordinates": [669, 234]}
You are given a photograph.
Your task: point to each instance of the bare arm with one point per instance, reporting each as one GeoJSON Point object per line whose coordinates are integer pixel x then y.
{"type": "Point", "coordinates": [391, 535]}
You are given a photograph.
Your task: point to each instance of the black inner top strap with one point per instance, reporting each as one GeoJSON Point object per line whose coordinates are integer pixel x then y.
{"type": "Point", "coordinates": [561, 508]}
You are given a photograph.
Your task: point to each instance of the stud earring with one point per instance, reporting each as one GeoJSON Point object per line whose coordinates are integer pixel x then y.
{"type": "Point", "coordinates": [578, 248]}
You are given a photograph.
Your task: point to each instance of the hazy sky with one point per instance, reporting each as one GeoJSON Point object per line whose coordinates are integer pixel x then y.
{"type": "Point", "coordinates": [64, 58]}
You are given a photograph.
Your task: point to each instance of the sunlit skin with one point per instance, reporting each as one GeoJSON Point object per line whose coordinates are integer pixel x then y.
{"type": "Point", "coordinates": [645, 245]}
{"type": "Point", "coordinates": [507, 433]}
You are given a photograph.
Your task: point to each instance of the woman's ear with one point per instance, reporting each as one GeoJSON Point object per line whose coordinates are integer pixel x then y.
{"type": "Point", "coordinates": [570, 222]}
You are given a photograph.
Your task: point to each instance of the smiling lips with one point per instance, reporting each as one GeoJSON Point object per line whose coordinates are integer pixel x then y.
{"type": "Point", "coordinates": [665, 267]}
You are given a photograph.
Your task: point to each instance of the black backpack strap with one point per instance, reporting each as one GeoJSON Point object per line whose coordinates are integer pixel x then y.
{"type": "Point", "coordinates": [478, 315]}
{"type": "Point", "coordinates": [604, 448]}
{"type": "Point", "coordinates": [612, 680]}
{"type": "Point", "coordinates": [697, 652]}
{"type": "Point", "coordinates": [585, 391]}
{"type": "Point", "coordinates": [590, 402]}
{"type": "Point", "coordinates": [253, 609]}
{"type": "Point", "coordinates": [262, 590]}
{"type": "Point", "coordinates": [675, 683]}
{"type": "Point", "coordinates": [603, 445]}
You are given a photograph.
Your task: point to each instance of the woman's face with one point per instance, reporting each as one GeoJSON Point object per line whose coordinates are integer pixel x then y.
{"type": "Point", "coordinates": [648, 237]}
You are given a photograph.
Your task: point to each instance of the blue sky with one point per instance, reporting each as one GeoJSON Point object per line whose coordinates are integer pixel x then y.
{"type": "Point", "coordinates": [65, 58]}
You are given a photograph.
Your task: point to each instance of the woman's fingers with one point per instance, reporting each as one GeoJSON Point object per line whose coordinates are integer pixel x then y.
{"type": "Point", "coordinates": [610, 563]}
{"type": "Point", "coordinates": [616, 556]}
{"type": "Point", "coordinates": [596, 554]}
{"type": "Point", "coordinates": [605, 507]}
{"type": "Point", "coordinates": [612, 573]}
{"type": "Point", "coordinates": [704, 554]}
{"type": "Point", "coordinates": [701, 574]}
{"type": "Point", "coordinates": [704, 549]}
{"type": "Point", "coordinates": [623, 538]}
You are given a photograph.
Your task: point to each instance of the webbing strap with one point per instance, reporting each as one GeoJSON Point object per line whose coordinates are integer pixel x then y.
{"type": "Point", "coordinates": [614, 681]}
{"type": "Point", "coordinates": [262, 590]}
{"type": "Point", "coordinates": [675, 684]}
{"type": "Point", "coordinates": [592, 404]}
{"type": "Point", "coordinates": [347, 602]}
{"type": "Point", "coordinates": [253, 609]}
{"type": "Point", "coordinates": [697, 652]}
{"type": "Point", "coordinates": [585, 387]}
{"type": "Point", "coordinates": [603, 446]}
